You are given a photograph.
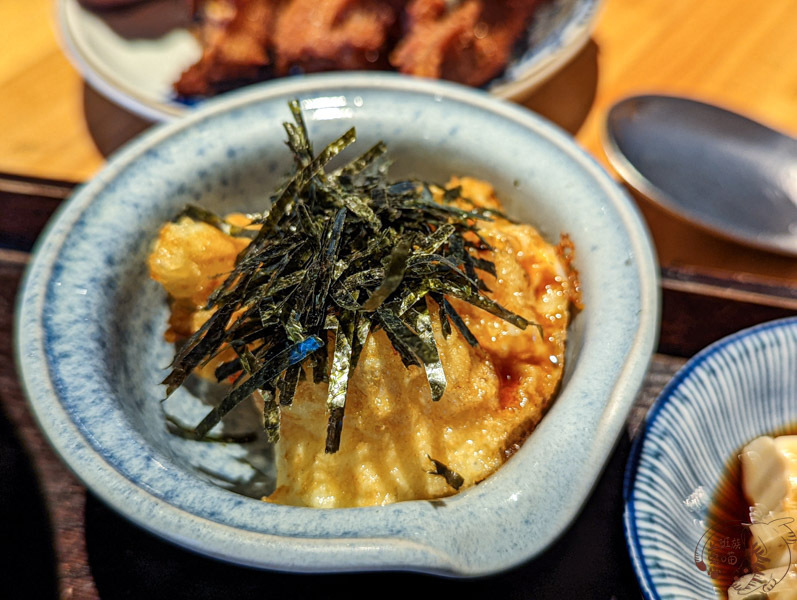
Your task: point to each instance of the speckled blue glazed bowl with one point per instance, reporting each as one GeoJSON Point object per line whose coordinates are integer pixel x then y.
{"type": "Point", "coordinates": [90, 326]}
{"type": "Point", "coordinates": [730, 393]}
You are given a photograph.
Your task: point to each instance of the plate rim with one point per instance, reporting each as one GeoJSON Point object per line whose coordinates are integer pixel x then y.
{"type": "Point", "coordinates": [100, 79]}
{"type": "Point", "coordinates": [534, 78]}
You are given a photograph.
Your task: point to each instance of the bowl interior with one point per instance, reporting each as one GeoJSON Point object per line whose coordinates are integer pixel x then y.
{"type": "Point", "coordinates": [97, 319]}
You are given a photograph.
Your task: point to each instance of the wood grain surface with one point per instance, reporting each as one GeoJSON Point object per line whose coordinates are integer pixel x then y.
{"type": "Point", "coordinates": [733, 52]}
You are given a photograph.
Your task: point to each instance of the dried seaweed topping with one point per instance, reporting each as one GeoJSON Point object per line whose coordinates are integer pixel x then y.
{"type": "Point", "coordinates": [454, 479]}
{"type": "Point", "coordinates": [339, 254]}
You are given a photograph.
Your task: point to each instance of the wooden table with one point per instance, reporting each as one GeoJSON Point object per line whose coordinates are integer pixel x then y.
{"type": "Point", "coordinates": [63, 542]}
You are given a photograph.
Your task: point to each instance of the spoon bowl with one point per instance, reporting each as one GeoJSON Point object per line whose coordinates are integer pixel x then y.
{"type": "Point", "coordinates": [712, 167]}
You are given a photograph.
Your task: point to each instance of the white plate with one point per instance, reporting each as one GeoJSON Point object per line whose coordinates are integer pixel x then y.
{"type": "Point", "coordinates": [138, 73]}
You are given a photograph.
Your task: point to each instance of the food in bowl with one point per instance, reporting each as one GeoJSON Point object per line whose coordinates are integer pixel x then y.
{"type": "Point", "coordinates": [753, 522]}
{"type": "Point", "coordinates": [750, 546]}
{"type": "Point", "coordinates": [429, 319]}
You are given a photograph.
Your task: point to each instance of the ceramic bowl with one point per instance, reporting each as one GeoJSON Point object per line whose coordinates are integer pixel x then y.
{"type": "Point", "coordinates": [90, 327]}
{"type": "Point", "coordinates": [737, 389]}
{"type": "Point", "coordinates": [138, 73]}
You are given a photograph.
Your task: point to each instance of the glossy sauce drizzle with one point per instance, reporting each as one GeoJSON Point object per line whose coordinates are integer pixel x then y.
{"type": "Point", "coordinates": [508, 384]}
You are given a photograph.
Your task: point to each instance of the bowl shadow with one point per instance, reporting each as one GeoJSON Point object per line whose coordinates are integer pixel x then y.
{"type": "Point", "coordinates": [567, 97]}
{"type": "Point", "coordinates": [26, 536]}
{"type": "Point", "coordinates": [109, 125]}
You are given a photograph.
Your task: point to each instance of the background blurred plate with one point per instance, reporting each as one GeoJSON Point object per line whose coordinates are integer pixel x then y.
{"type": "Point", "coordinates": [735, 390]}
{"type": "Point", "coordinates": [138, 73]}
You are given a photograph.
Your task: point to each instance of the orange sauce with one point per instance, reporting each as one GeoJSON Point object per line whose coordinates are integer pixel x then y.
{"type": "Point", "coordinates": [508, 384]}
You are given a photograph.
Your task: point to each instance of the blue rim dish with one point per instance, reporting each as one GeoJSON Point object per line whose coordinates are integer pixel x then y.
{"type": "Point", "coordinates": [747, 383]}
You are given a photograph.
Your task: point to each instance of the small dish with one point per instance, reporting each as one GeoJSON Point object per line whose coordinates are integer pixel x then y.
{"type": "Point", "coordinates": [737, 389]}
{"type": "Point", "coordinates": [701, 163]}
{"type": "Point", "coordinates": [90, 327]}
{"type": "Point", "coordinates": [138, 73]}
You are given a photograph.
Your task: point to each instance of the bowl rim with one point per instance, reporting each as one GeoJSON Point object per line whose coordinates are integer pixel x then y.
{"type": "Point", "coordinates": [576, 33]}
{"type": "Point", "coordinates": [721, 346]}
{"type": "Point", "coordinates": [258, 549]}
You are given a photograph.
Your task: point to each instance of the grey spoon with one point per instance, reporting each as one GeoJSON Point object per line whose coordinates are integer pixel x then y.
{"type": "Point", "coordinates": [714, 168]}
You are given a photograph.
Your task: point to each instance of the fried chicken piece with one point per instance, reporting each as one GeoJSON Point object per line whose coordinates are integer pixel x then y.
{"type": "Point", "coordinates": [335, 34]}
{"type": "Point", "coordinates": [236, 37]}
{"type": "Point", "coordinates": [469, 43]}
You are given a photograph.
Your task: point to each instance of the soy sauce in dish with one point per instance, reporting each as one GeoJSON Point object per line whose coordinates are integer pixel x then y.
{"type": "Point", "coordinates": [724, 551]}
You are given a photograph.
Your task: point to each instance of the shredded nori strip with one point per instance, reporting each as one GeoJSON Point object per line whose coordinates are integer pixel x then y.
{"type": "Point", "coordinates": [339, 378]}
{"type": "Point", "coordinates": [259, 380]}
{"type": "Point", "coordinates": [435, 374]}
{"type": "Point", "coordinates": [454, 479]}
{"type": "Point", "coordinates": [394, 273]}
{"type": "Point", "coordinates": [178, 429]}
{"type": "Point", "coordinates": [459, 323]}
{"type": "Point", "coordinates": [339, 255]}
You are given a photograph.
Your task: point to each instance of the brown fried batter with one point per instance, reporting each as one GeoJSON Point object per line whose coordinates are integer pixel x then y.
{"type": "Point", "coordinates": [236, 37]}
{"type": "Point", "coordinates": [334, 34]}
{"type": "Point", "coordinates": [469, 42]}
